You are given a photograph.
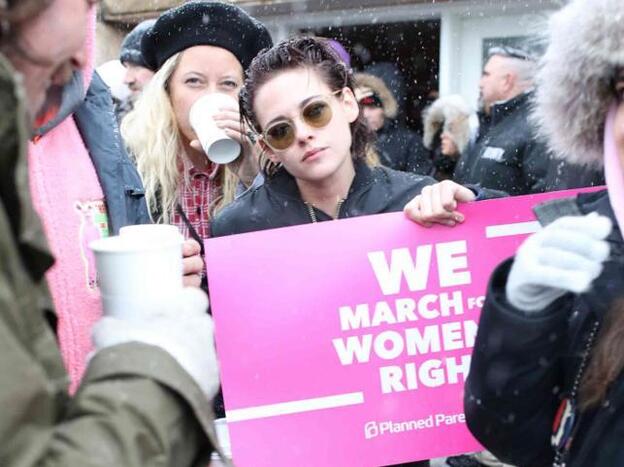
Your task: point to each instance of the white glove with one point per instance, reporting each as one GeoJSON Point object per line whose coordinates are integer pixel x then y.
{"type": "Point", "coordinates": [182, 328]}
{"type": "Point", "coordinates": [565, 256]}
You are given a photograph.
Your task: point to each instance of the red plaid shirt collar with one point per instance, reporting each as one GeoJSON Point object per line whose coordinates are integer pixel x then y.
{"type": "Point", "coordinates": [196, 194]}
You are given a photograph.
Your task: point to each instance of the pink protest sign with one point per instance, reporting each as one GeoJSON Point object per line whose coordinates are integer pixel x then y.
{"type": "Point", "coordinates": [347, 343]}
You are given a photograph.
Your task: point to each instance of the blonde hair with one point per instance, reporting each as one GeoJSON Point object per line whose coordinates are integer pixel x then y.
{"type": "Point", "coordinates": [152, 136]}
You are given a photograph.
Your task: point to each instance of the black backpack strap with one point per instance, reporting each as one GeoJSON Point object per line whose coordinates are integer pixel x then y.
{"type": "Point", "coordinates": [198, 239]}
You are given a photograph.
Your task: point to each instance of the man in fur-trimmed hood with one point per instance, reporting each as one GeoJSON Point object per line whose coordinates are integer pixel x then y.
{"type": "Point", "coordinates": [398, 147]}
{"type": "Point", "coordinates": [506, 154]}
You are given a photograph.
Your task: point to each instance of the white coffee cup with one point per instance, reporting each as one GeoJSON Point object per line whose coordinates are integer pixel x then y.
{"type": "Point", "coordinates": [138, 274]}
{"type": "Point", "coordinates": [218, 146]}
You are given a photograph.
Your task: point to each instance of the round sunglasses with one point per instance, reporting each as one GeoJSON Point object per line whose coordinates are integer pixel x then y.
{"type": "Point", "coordinates": [317, 113]}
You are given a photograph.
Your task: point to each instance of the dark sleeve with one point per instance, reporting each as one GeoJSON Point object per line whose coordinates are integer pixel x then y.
{"type": "Point", "coordinates": [418, 158]}
{"type": "Point", "coordinates": [483, 193]}
{"type": "Point", "coordinates": [224, 223]}
{"type": "Point", "coordinates": [510, 397]}
{"type": "Point", "coordinates": [564, 176]}
{"type": "Point", "coordinates": [535, 165]}
{"type": "Point", "coordinates": [118, 177]}
{"type": "Point", "coordinates": [234, 219]}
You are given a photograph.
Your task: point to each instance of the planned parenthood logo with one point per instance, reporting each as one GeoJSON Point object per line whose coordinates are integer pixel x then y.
{"type": "Point", "coordinates": [374, 429]}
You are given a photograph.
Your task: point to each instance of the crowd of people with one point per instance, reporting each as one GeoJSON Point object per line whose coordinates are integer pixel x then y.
{"type": "Point", "coordinates": [79, 388]}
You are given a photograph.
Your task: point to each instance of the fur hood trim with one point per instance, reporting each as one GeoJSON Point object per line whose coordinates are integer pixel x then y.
{"type": "Point", "coordinates": [375, 84]}
{"type": "Point", "coordinates": [452, 113]}
{"type": "Point", "coordinates": [575, 76]}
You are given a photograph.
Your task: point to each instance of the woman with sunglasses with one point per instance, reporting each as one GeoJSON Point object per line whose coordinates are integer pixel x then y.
{"type": "Point", "coordinates": [546, 385]}
{"type": "Point", "coordinates": [314, 142]}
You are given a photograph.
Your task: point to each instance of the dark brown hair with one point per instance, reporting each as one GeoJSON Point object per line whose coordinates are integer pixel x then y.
{"type": "Point", "coordinates": [607, 359]}
{"type": "Point", "coordinates": [303, 52]}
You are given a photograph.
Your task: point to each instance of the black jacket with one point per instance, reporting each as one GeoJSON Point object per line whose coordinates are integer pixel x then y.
{"type": "Point", "coordinates": [277, 203]}
{"type": "Point", "coordinates": [564, 176]}
{"type": "Point", "coordinates": [523, 366]}
{"type": "Point", "coordinates": [506, 154]}
{"type": "Point", "coordinates": [401, 149]}
{"type": "Point", "coordinates": [120, 181]}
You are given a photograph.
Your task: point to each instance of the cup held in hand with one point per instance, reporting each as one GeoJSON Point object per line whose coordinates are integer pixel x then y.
{"type": "Point", "coordinates": [218, 146]}
{"type": "Point", "coordinates": [137, 274]}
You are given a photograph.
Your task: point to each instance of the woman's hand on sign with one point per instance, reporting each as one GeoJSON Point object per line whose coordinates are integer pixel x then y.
{"type": "Point", "coordinates": [192, 263]}
{"type": "Point", "coordinates": [438, 204]}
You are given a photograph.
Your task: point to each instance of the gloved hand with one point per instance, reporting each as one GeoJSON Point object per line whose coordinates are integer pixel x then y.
{"type": "Point", "coordinates": [182, 328]}
{"type": "Point", "coordinates": [565, 256]}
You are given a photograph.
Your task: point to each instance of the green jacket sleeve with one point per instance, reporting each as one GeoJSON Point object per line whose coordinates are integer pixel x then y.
{"type": "Point", "coordinates": [135, 407]}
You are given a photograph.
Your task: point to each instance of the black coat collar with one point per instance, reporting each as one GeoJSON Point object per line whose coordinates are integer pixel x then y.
{"type": "Point", "coordinates": [502, 109]}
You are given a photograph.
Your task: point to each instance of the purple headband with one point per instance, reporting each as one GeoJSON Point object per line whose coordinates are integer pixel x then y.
{"type": "Point", "coordinates": [341, 51]}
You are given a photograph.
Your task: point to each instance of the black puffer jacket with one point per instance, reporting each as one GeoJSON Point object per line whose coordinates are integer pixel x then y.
{"type": "Point", "coordinates": [506, 154]}
{"type": "Point", "coordinates": [401, 149]}
{"type": "Point", "coordinates": [523, 366]}
{"type": "Point", "coordinates": [278, 203]}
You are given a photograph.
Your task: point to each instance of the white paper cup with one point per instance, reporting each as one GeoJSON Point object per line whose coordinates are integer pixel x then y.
{"type": "Point", "coordinates": [138, 274]}
{"type": "Point", "coordinates": [218, 146]}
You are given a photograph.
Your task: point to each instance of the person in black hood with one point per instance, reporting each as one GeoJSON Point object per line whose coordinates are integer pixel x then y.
{"type": "Point", "coordinates": [314, 141]}
{"type": "Point", "coordinates": [546, 385]}
{"type": "Point", "coordinates": [506, 154]}
{"type": "Point", "coordinates": [398, 147]}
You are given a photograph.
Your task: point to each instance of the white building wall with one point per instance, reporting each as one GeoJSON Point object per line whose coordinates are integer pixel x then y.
{"type": "Point", "coordinates": [464, 25]}
{"type": "Point", "coordinates": [462, 46]}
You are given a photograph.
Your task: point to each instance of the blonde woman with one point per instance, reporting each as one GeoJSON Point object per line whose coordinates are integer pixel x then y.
{"type": "Point", "coordinates": [196, 49]}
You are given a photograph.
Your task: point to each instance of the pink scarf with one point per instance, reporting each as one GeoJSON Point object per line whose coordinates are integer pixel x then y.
{"type": "Point", "coordinates": [69, 200]}
{"type": "Point", "coordinates": [614, 172]}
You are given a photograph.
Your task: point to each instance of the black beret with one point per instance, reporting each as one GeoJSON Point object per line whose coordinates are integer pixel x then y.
{"type": "Point", "coordinates": [131, 46]}
{"type": "Point", "coordinates": [205, 23]}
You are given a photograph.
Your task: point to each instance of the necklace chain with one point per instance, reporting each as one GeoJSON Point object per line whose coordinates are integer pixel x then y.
{"type": "Point", "coordinates": [560, 453]}
{"type": "Point", "coordinates": [312, 214]}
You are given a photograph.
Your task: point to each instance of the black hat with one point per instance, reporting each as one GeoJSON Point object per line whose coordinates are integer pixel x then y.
{"type": "Point", "coordinates": [205, 23]}
{"type": "Point", "coordinates": [131, 46]}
